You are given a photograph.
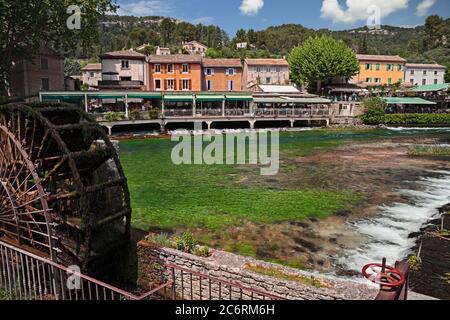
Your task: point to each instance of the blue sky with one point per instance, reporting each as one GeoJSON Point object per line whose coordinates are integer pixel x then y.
{"type": "Point", "coordinates": [259, 14]}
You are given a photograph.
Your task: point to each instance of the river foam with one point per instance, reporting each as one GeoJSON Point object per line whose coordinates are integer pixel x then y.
{"type": "Point", "coordinates": [388, 233]}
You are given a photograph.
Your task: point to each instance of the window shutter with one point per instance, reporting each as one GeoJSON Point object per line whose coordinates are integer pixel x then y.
{"type": "Point", "coordinates": [234, 71]}
{"type": "Point", "coordinates": [190, 85]}
{"type": "Point", "coordinates": [228, 72]}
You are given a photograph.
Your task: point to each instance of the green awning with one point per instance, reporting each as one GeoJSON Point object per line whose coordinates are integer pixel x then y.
{"type": "Point", "coordinates": [308, 100]}
{"type": "Point", "coordinates": [210, 98]}
{"type": "Point", "coordinates": [106, 96]}
{"type": "Point", "coordinates": [432, 87]}
{"type": "Point", "coordinates": [270, 100]}
{"type": "Point", "coordinates": [179, 97]}
{"type": "Point", "coordinates": [416, 101]}
{"type": "Point", "coordinates": [232, 97]}
{"type": "Point", "coordinates": [145, 95]}
{"type": "Point", "coordinates": [64, 97]}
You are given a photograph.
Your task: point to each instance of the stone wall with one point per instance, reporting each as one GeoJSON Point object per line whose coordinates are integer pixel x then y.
{"type": "Point", "coordinates": [232, 268]}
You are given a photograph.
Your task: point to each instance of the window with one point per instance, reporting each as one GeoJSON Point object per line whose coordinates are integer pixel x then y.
{"type": "Point", "coordinates": [170, 84]}
{"type": "Point", "coordinates": [399, 67]}
{"type": "Point", "coordinates": [157, 84]}
{"type": "Point", "coordinates": [170, 68]}
{"type": "Point", "coordinates": [268, 80]}
{"type": "Point", "coordinates": [368, 66]}
{"type": "Point", "coordinates": [125, 78]}
{"type": "Point", "coordinates": [125, 64]}
{"type": "Point", "coordinates": [278, 69]}
{"type": "Point", "coordinates": [411, 80]}
{"type": "Point", "coordinates": [412, 72]}
{"type": "Point", "coordinates": [92, 74]}
{"type": "Point", "coordinates": [45, 84]}
{"type": "Point", "coordinates": [157, 68]}
{"type": "Point", "coordinates": [209, 85]}
{"type": "Point", "coordinates": [209, 71]}
{"type": "Point", "coordinates": [378, 67]}
{"type": "Point", "coordinates": [258, 69]}
{"type": "Point", "coordinates": [268, 69]}
{"type": "Point", "coordinates": [185, 68]}
{"type": "Point", "coordinates": [230, 85]}
{"type": "Point", "coordinates": [435, 81]}
{"type": "Point", "coordinates": [435, 73]}
{"type": "Point", "coordinates": [44, 63]}
{"type": "Point", "coordinates": [424, 72]}
{"type": "Point", "coordinates": [424, 82]}
{"type": "Point", "coordinates": [185, 84]}
{"type": "Point", "coordinates": [377, 80]}
{"type": "Point", "coordinates": [389, 67]}
{"type": "Point", "coordinates": [368, 80]}
{"type": "Point", "coordinates": [231, 72]}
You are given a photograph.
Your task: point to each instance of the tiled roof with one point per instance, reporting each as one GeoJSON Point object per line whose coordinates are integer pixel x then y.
{"type": "Point", "coordinates": [128, 54]}
{"type": "Point", "coordinates": [267, 62]}
{"type": "Point", "coordinates": [366, 57]}
{"type": "Point", "coordinates": [175, 58]}
{"type": "Point", "coordinates": [224, 63]}
{"type": "Point", "coordinates": [425, 66]}
{"type": "Point", "coordinates": [92, 67]}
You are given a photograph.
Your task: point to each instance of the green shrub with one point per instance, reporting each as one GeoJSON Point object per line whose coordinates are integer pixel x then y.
{"type": "Point", "coordinates": [417, 119]}
{"type": "Point", "coordinates": [114, 116]}
{"type": "Point", "coordinates": [375, 113]}
{"type": "Point", "coordinates": [415, 262]}
{"type": "Point", "coordinates": [188, 241]}
{"type": "Point", "coordinates": [201, 251]}
{"type": "Point", "coordinates": [162, 239]}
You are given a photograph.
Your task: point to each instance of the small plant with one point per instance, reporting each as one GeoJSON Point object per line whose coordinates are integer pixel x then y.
{"type": "Point", "coordinates": [177, 243]}
{"type": "Point", "coordinates": [113, 116]}
{"type": "Point", "coordinates": [162, 239]}
{"type": "Point", "coordinates": [153, 113]}
{"type": "Point", "coordinates": [188, 241]}
{"type": "Point", "coordinates": [134, 114]}
{"type": "Point", "coordinates": [446, 277]}
{"type": "Point", "coordinates": [201, 251]}
{"type": "Point", "coordinates": [375, 113]}
{"type": "Point", "coordinates": [415, 262]}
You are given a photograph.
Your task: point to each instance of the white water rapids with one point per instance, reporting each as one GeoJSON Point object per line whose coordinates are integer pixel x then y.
{"type": "Point", "coordinates": [387, 233]}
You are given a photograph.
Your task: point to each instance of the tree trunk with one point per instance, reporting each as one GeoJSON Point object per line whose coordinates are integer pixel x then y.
{"type": "Point", "coordinates": [319, 86]}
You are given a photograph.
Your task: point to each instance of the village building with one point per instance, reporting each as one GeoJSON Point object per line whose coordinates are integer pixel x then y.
{"type": "Point", "coordinates": [124, 70]}
{"type": "Point", "coordinates": [162, 51]}
{"type": "Point", "coordinates": [91, 75]}
{"type": "Point", "coordinates": [195, 47]}
{"type": "Point", "coordinates": [378, 70]}
{"type": "Point", "coordinates": [175, 72]}
{"type": "Point", "coordinates": [265, 71]}
{"type": "Point", "coordinates": [419, 74]}
{"type": "Point", "coordinates": [222, 75]}
{"type": "Point", "coordinates": [44, 72]}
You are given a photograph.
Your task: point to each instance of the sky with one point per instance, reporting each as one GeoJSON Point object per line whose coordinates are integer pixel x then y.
{"type": "Point", "coordinates": [232, 15]}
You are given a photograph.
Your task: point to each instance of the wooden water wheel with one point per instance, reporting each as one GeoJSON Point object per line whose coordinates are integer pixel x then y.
{"type": "Point", "coordinates": [63, 192]}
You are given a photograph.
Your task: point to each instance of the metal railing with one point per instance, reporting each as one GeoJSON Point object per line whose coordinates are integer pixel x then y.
{"type": "Point", "coordinates": [28, 276]}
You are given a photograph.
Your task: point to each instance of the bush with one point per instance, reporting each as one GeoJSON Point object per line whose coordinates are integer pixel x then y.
{"type": "Point", "coordinates": [188, 241]}
{"type": "Point", "coordinates": [162, 239]}
{"type": "Point", "coordinates": [201, 251]}
{"type": "Point", "coordinates": [375, 113]}
{"type": "Point", "coordinates": [114, 116]}
{"type": "Point", "coordinates": [419, 119]}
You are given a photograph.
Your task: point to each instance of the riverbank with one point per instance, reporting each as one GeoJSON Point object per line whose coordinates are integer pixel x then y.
{"type": "Point", "coordinates": [432, 275]}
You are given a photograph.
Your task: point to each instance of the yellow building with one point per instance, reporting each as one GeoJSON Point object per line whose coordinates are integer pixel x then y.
{"type": "Point", "coordinates": [380, 70]}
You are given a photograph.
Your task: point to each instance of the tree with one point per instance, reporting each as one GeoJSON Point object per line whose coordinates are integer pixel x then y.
{"type": "Point", "coordinates": [375, 111]}
{"type": "Point", "coordinates": [322, 58]}
{"type": "Point", "coordinates": [26, 25]}
{"type": "Point", "coordinates": [72, 67]}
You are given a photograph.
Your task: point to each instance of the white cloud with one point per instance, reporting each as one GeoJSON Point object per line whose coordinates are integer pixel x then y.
{"type": "Point", "coordinates": [203, 20]}
{"type": "Point", "coordinates": [145, 8]}
{"type": "Point", "coordinates": [422, 8]}
{"type": "Point", "coordinates": [356, 10]}
{"type": "Point", "coordinates": [251, 7]}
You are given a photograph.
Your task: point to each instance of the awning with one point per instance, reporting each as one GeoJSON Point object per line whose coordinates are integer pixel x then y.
{"type": "Point", "coordinates": [307, 100]}
{"type": "Point", "coordinates": [179, 97]}
{"type": "Point", "coordinates": [236, 97]}
{"type": "Point", "coordinates": [414, 101]}
{"type": "Point", "coordinates": [209, 97]}
{"type": "Point", "coordinates": [145, 95]}
{"type": "Point", "coordinates": [63, 97]}
{"type": "Point", "coordinates": [106, 96]}
{"type": "Point", "coordinates": [432, 87]}
{"type": "Point", "coordinates": [269, 100]}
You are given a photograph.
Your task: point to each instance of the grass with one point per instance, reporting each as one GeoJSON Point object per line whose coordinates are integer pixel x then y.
{"type": "Point", "coordinates": [276, 273]}
{"type": "Point", "coordinates": [436, 151]}
{"type": "Point", "coordinates": [4, 295]}
{"type": "Point", "coordinates": [168, 196]}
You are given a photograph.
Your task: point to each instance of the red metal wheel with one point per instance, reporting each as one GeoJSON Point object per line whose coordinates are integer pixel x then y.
{"type": "Point", "coordinates": [383, 275]}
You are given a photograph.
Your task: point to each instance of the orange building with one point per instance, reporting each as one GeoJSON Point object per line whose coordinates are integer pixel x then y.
{"type": "Point", "coordinates": [376, 70]}
{"type": "Point", "coordinates": [175, 72]}
{"type": "Point", "coordinates": [223, 75]}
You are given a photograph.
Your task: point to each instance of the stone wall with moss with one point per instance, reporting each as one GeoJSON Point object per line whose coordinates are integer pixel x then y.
{"type": "Point", "coordinates": [282, 281]}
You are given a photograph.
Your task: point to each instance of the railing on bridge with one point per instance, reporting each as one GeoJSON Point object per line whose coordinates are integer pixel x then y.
{"type": "Point", "coordinates": [27, 276]}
